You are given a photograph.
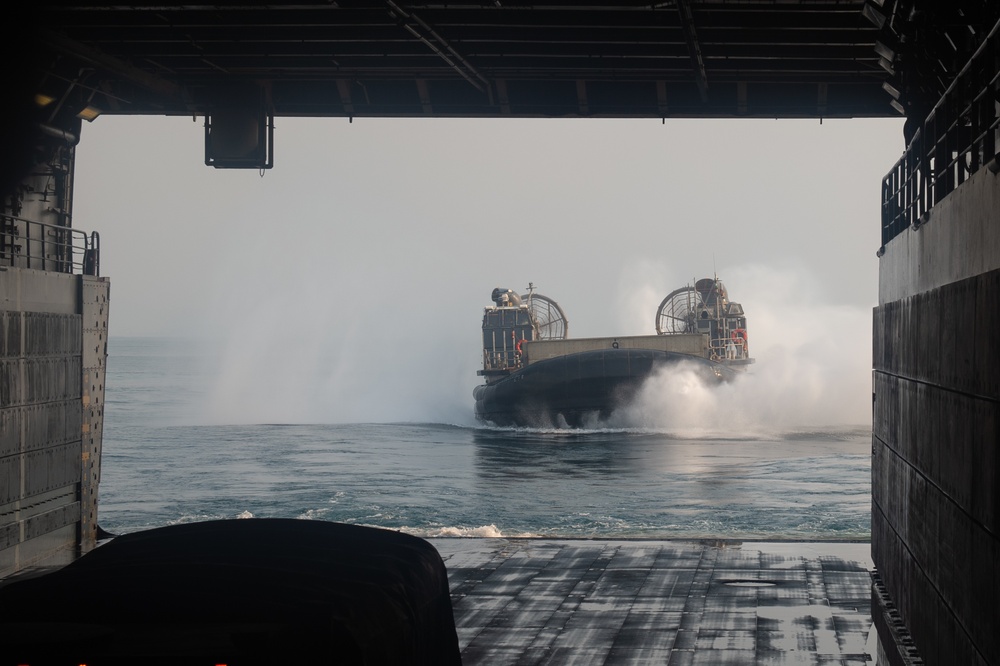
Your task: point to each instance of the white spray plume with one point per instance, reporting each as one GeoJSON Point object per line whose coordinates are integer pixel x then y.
{"type": "Point", "coordinates": [813, 367]}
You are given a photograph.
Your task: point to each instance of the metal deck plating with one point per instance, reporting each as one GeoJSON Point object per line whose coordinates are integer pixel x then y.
{"type": "Point", "coordinates": [541, 601]}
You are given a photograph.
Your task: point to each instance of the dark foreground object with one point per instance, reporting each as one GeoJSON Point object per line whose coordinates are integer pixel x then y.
{"type": "Point", "coordinates": [257, 591]}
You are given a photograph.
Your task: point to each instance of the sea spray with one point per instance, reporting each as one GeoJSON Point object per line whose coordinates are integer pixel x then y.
{"type": "Point", "coordinates": [812, 360]}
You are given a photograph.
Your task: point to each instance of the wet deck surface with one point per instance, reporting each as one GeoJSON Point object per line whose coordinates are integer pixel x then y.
{"type": "Point", "coordinates": [529, 601]}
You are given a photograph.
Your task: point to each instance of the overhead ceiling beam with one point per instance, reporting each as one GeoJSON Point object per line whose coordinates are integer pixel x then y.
{"type": "Point", "coordinates": [438, 45]}
{"type": "Point", "coordinates": [425, 97]}
{"type": "Point", "coordinates": [410, 58]}
{"type": "Point", "coordinates": [694, 48]}
{"type": "Point", "coordinates": [344, 89]}
{"type": "Point", "coordinates": [158, 86]}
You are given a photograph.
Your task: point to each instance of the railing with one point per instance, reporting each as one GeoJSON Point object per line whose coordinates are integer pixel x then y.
{"type": "Point", "coordinates": [504, 358]}
{"type": "Point", "coordinates": [500, 360]}
{"type": "Point", "coordinates": [728, 349]}
{"type": "Point", "coordinates": [30, 244]}
{"type": "Point", "coordinates": [959, 136]}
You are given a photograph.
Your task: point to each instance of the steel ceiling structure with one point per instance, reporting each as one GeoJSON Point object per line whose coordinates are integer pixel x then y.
{"type": "Point", "coordinates": [681, 58]}
{"type": "Point", "coordinates": [241, 65]}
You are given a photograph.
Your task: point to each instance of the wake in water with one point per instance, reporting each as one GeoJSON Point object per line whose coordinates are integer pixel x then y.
{"type": "Point", "coordinates": [734, 474]}
{"type": "Point", "coordinates": [765, 402]}
{"type": "Point", "coordinates": [813, 361]}
{"type": "Point", "coordinates": [769, 402]}
{"type": "Point", "coordinates": [812, 371]}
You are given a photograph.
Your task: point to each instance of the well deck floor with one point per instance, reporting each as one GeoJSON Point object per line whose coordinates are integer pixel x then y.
{"type": "Point", "coordinates": [537, 601]}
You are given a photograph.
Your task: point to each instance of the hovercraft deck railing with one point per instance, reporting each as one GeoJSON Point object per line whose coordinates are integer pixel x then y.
{"type": "Point", "coordinates": [959, 136]}
{"type": "Point", "coordinates": [733, 351]}
{"type": "Point", "coordinates": [31, 244]}
{"type": "Point", "coordinates": [500, 361]}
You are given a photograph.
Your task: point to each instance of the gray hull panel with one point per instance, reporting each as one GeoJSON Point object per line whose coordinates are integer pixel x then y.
{"type": "Point", "coordinates": [568, 389]}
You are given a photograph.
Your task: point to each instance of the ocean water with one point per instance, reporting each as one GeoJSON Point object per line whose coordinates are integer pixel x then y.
{"type": "Point", "coordinates": [164, 464]}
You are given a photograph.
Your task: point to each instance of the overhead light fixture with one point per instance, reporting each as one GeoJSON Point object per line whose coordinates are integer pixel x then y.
{"type": "Point", "coordinates": [873, 14]}
{"type": "Point", "coordinates": [89, 113]}
{"type": "Point", "coordinates": [884, 50]}
{"type": "Point", "coordinates": [43, 100]}
{"type": "Point", "coordinates": [899, 107]}
{"type": "Point", "coordinates": [886, 65]}
{"type": "Point", "coordinates": [890, 87]}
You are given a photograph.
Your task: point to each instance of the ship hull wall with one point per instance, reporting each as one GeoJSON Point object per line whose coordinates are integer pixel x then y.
{"type": "Point", "coordinates": [936, 431]}
{"type": "Point", "coordinates": [53, 351]}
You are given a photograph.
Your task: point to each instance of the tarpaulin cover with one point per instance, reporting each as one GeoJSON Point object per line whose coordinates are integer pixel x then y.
{"type": "Point", "coordinates": [240, 591]}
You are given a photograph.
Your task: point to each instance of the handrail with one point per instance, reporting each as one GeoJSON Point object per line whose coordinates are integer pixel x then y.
{"type": "Point", "coordinates": [960, 135]}
{"type": "Point", "coordinates": [502, 359]}
{"type": "Point", "coordinates": [31, 244]}
{"type": "Point", "coordinates": [721, 348]}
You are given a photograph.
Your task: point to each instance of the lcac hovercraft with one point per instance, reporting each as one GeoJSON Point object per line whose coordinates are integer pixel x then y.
{"type": "Point", "coordinates": [537, 376]}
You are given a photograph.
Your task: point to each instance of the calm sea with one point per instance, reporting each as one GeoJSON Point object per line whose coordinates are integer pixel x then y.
{"type": "Point", "coordinates": [162, 465]}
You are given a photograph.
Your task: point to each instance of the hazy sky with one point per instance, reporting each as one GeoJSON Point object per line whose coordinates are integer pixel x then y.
{"type": "Point", "coordinates": [347, 283]}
